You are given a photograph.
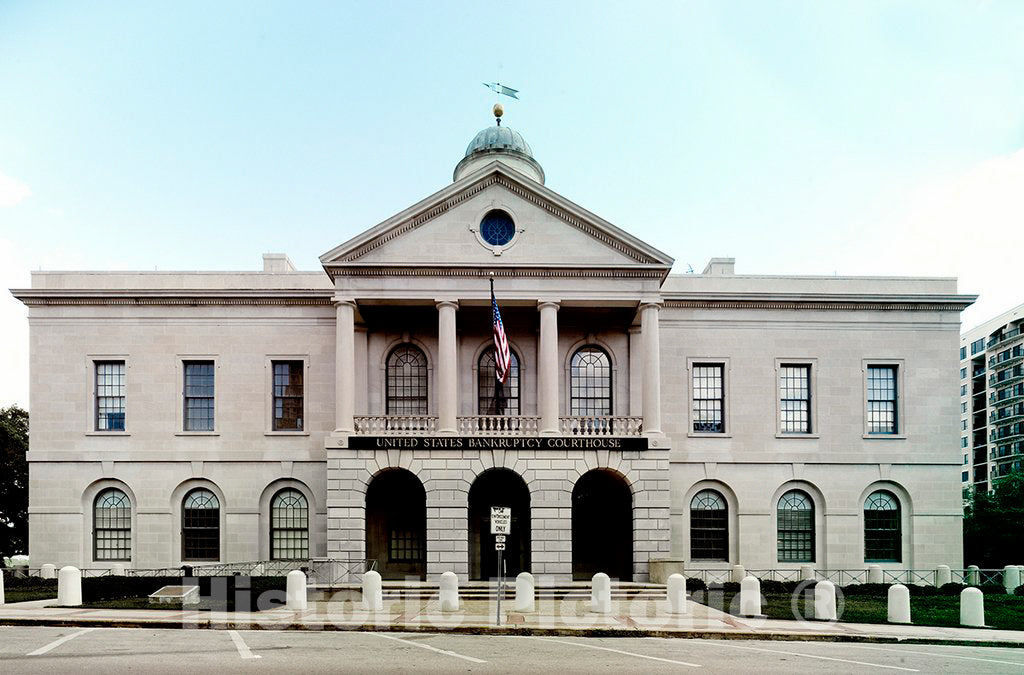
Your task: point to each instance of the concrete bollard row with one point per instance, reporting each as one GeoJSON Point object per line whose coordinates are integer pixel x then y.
{"type": "Point", "coordinates": [899, 604]}
{"type": "Point", "coordinates": [48, 571]}
{"type": "Point", "coordinates": [825, 601]}
{"type": "Point", "coordinates": [739, 573]}
{"type": "Point", "coordinates": [750, 596]}
{"type": "Point", "coordinates": [69, 587]}
{"type": "Point", "coordinates": [1, 587]}
{"type": "Point", "coordinates": [525, 595]}
{"type": "Point", "coordinates": [972, 608]}
{"type": "Point", "coordinates": [943, 576]}
{"type": "Point", "coordinates": [449, 592]}
{"type": "Point", "coordinates": [973, 575]}
{"type": "Point", "coordinates": [677, 594]}
{"type": "Point", "coordinates": [373, 592]}
{"type": "Point", "coordinates": [296, 591]}
{"type": "Point", "coordinates": [874, 574]}
{"type": "Point", "coordinates": [117, 570]}
{"type": "Point", "coordinates": [601, 594]}
{"type": "Point", "coordinates": [807, 573]}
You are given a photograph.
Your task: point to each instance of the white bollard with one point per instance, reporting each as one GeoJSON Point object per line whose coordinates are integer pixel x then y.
{"type": "Point", "coordinates": [943, 576]}
{"type": "Point", "coordinates": [973, 575]}
{"type": "Point", "coordinates": [738, 573]}
{"type": "Point", "coordinates": [296, 591]}
{"type": "Point", "coordinates": [806, 572]}
{"type": "Point", "coordinates": [449, 592]}
{"type": "Point", "coordinates": [69, 587]}
{"type": "Point", "coordinates": [48, 571]}
{"type": "Point", "coordinates": [1, 586]}
{"type": "Point", "coordinates": [373, 592]}
{"type": "Point", "coordinates": [1011, 578]}
{"type": "Point", "coordinates": [874, 574]}
{"type": "Point", "coordinates": [972, 608]}
{"type": "Point", "coordinates": [117, 570]}
{"type": "Point", "coordinates": [601, 594]}
{"type": "Point", "coordinates": [677, 594]}
{"type": "Point", "coordinates": [525, 596]}
{"type": "Point", "coordinates": [825, 601]}
{"type": "Point", "coordinates": [899, 604]}
{"type": "Point", "coordinates": [750, 596]}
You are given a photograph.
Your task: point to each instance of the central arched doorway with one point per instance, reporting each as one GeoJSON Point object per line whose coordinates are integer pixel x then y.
{"type": "Point", "coordinates": [498, 487]}
{"type": "Point", "coordinates": [602, 526]}
{"type": "Point", "coordinates": [396, 524]}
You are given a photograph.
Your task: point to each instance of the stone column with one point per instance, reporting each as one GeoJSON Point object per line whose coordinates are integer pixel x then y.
{"type": "Point", "coordinates": [652, 369]}
{"type": "Point", "coordinates": [547, 369]}
{"type": "Point", "coordinates": [447, 355]}
{"type": "Point", "coordinates": [344, 367]}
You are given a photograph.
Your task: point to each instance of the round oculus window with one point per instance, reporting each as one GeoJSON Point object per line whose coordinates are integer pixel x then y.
{"type": "Point", "coordinates": [497, 228]}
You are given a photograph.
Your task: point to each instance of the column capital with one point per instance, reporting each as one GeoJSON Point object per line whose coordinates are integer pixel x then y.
{"type": "Point", "coordinates": [541, 304]}
{"type": "Point", "coordinates": [655, 304]}
{"type": "Point", "coordinates": [338, 302]}
{"type": "Point", "coordinates": [454, 304]}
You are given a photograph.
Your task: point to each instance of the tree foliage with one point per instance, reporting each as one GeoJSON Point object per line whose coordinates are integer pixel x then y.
{"type": "Point", "coordinates": [13, 481]}
{"type": "Point", "coordinates": [994, 524]}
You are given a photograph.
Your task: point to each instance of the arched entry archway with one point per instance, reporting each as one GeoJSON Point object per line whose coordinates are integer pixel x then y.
{"type": "Point", "coordinates": [602, 526]}
{"type": "Point", "coordinates": [396, 524]}
{"type": "Point", "coordinates": [498, 487]}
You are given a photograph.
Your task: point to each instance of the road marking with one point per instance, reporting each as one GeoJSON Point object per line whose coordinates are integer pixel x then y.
{"type": "Point", "coordinates": [58, 642]}
{"type": "Point", "coordinates": [243, 649]}
{"type": "Point", "coordinates": [433, 649]}
{"type": "Point", "coordinates": [807, 656]}
{"type": "Point", "coordinates": [619, 651]}
{"type": "Point", "coordinates": [941, 656]}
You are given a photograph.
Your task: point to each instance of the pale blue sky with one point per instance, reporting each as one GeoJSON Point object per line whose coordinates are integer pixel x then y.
{"type": "Point", "coordinates": [800, 137]}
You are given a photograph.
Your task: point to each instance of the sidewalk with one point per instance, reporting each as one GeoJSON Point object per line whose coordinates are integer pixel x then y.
{"type": "Point", "coordinates": [632, 619]}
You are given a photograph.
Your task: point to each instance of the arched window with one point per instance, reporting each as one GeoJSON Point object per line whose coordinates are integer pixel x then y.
{"type": "Point", "coordinates": [407, 381]}
{"type": "Point", "coordinates": [200, 526]}
{"type": "Point", "coordinates": [590, 383]}
{"type": "Point", "coordinates": [488, 403]}
{"type": "Point", "coordinates": [709, 526]}
{"type": "Point", "coordinates": [112, 526]}
{"type": "Point", "coordinates": [796, 527]}
{"type": "Point", "coordinates": [289, 526]}
{"type": "Point", "coordinates": [882, 541]}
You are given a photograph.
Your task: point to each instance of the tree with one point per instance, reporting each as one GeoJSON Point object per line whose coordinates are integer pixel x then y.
{"type": "Point", "coordinates": [13, 481]}
{"type": "Point", "coordinates": [994, 524]}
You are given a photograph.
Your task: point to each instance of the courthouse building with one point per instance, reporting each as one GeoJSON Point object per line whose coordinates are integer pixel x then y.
{"type": "Point", "coordinates": [351, 412]}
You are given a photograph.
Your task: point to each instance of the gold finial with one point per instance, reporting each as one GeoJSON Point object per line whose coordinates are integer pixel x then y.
{"type": "Point", "coordinates": [498, 112]}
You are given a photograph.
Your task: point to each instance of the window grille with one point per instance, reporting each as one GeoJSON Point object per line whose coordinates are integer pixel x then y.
{"type": "Point", "coordinates": [200, 526]}
{"type": "Point", "coordinates": [112, 526]}
{"type": "Point", "coordinates": [198, 396]}
{"type": "Point", "coordinates": [708, 398]}
{"type": "Point", "coordinates": [795, 399]}
{"type": "Point", "coordinates": [796, 527]}
{"type": "Point", "coordinates": [110, 395]}
{"type": "Point", "coordinates": [487, 381]}
{"type": "Point", "coordinates": [407, 381]}
{"type": "Point", "coordinates": [288, 395]}
{"type": "Point", "coordinates": [882, 400]}
{"type": "Point", "coordinates": [709, 526]}
{"type": "Point", "coordinates": [590, 383]}
{"type": "Point", "coordinates": [882, 541]}
{"type": "Point", "coordinates": [289, 526]}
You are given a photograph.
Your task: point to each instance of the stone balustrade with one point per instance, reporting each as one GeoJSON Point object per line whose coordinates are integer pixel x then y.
{"type": "Point", "coordinates": [495, 425]}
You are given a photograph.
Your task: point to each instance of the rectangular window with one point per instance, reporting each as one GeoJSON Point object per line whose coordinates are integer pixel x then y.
{"type": "Point", "coordinates": [963, 353]}
{"type": "Point", "coordinates": [963, 476]}
{"type": "Point", "coordinates": [977, 346]}
{"type": "Point", "coordinates": [963, 442]}
{"type": "Point", "coordinates": [963, 407]}
{"type": "Point", "coordinates": [287, 395]}
{"type": "Point", "coordinates": [198, 396]}
{"type": "Point", "coordinates": [963, 390]}
{"type": "Point", "coordinates": [963, 373]}
{"type": "Point", "coordinates": [882, 397]}
{"type": "Point", "coordinates": [110, 396]}
{"type": "Point", "coordinates": [795, 399]}
{"type": "Point", "coordinates": [708, 398]}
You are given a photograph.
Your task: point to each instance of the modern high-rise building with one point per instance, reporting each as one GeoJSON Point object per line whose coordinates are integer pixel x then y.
{"type": "Point", "coordinates": [992, 399]}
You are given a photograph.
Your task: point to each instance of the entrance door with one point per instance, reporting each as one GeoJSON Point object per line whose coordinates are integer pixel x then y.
{"type": "Point", "coordinates": [602, 526]}
{"type": "Point", "coordinates": [498, 487]}
{"type": "Point", "coordinates": [396, 524]}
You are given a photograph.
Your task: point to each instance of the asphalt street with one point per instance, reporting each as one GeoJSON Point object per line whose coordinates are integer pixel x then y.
{"type": "Point", "coordinates": [25, 649]}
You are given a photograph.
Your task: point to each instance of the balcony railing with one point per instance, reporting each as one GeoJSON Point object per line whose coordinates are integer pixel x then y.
{"type": "Point", "coordinates": [495, 425]}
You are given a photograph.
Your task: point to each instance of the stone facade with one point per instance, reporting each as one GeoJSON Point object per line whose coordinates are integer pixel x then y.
{"type": "Point", "coordinates": [566, 280]}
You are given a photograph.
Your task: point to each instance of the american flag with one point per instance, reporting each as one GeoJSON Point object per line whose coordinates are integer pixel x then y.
{"type": "Point", "coordinates": [502, 357]}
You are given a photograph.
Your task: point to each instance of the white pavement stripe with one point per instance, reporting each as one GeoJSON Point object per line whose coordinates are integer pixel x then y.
{"type": "Point", "coordinates": [243, 649]}
{"type": "Point", "coordinates": [936, 655]}
{"type": "Point", "coordinates": [806, 656]}
{"type": "Point", "coordinates": [58, 642]}
{"type": "Point", "coordinates": [433, 649]}
{"type": "Point", "coordinates": [619, 651]}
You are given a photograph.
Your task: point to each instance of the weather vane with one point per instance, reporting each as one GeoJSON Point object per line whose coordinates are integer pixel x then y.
{"type": "Point", "coordinates": [500, 89]}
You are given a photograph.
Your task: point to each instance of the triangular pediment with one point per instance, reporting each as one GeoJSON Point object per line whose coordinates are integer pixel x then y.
{"type": "Point", "coordinates": [442, 230]}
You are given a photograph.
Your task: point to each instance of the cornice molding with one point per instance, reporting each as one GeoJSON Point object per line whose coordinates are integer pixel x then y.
{"type": "Point", "coordinates": [342, 269]}
{"type": "Point", "coordinates": [895, 304]}
{"type": "Point", "coordinates": [184, 298]}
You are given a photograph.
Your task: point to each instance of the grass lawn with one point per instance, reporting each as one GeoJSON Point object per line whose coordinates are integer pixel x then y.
{"type": "Point", "coordinates": [26, 594]}
{"type": "Point", "coordinates": [135, 603]}
{"type": "Point", "coordinates": [1001, 611]}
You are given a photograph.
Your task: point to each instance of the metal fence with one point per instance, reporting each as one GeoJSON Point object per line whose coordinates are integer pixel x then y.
{"type": "Point", "coordinates": [846, 577]}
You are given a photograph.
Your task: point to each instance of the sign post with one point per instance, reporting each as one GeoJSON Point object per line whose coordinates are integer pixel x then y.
{"type": "Point", "coordinates": [501, 526]}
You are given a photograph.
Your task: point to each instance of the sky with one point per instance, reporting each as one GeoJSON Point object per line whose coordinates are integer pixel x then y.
{"type": "Point", "coordinates": [852, 138]}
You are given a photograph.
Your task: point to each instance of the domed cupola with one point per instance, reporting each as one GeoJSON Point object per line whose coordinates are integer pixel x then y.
{"type": "Point", "coordinates": [503, 144]}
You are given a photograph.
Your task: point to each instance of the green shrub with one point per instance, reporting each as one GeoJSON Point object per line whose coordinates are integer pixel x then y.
{"type": "Point", "coordinates": [1019, 590]}
{"type": "Point", "coordinates": [951, 589]}
{"type": "Point", "coordinates": [695, 585]}
{"type": "Point", "coordinates": [992, 589]}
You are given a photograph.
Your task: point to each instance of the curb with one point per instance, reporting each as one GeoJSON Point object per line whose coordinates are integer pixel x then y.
{"type": "Point", "coordinates": [509, 631]}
